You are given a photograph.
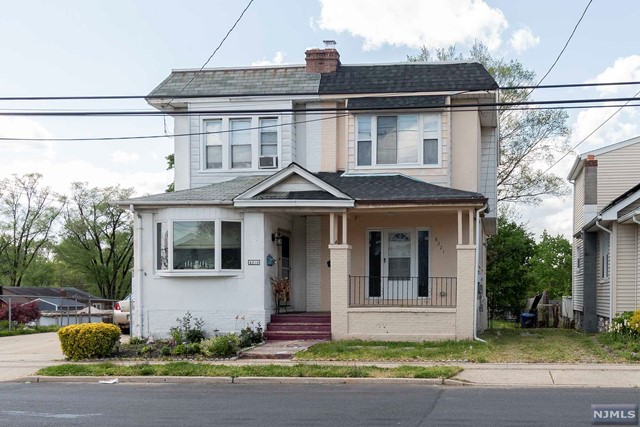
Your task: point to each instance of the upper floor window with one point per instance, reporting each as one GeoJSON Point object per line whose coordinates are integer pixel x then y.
{"type": "Point", "coordinates": [406, 139]}
{"type": "Point", "coordinates": [240, 143]}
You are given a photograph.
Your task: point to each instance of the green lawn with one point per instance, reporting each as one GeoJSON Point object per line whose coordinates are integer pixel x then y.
{"type": "Point", "coordinates": [200, 369]}
{"type": "Point", "coordinates": [22, 330]}
{"type": "Point", "coordinates": [503, 346]}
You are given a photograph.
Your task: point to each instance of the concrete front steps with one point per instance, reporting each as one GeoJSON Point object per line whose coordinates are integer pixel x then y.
{"type": "Point", "coordinates": [299, 326]}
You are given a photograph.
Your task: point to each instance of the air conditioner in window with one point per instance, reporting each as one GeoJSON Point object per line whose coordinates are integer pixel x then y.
{"type": "Point", "coordinates": [268, 162]}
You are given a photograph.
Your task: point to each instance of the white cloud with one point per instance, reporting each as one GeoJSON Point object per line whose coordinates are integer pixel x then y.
{"type": "Point", "coordinates": [554, 215]}
{"type": "Point", "coordinates": [278, 59]}
{"type": "Point", "coordinates": [60, 175]}
{"type": "Point", "coordinates": [21, 127]}
{"type": "Point", "coordinates": [623, 70]}
{"type": "Point", "coordinates": [414, 23]}
{"type": "Point", "coordinates": [523, 39]}
{"type": "Point", "coordinates": [123, 157]}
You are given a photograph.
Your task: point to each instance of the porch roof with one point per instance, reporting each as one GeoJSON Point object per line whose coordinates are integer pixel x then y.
{"type": "Point", "coordinates": [323, 189]}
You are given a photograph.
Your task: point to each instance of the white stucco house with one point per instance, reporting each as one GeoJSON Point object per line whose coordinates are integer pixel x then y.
{"type": "Point", "coordinates": [606, 240]}
{"type": "Point", "coordinates": [372, 187]}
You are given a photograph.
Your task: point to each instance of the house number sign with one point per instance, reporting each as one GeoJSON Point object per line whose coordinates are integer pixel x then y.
{"type": "Point", "coordinates": [254, 262]}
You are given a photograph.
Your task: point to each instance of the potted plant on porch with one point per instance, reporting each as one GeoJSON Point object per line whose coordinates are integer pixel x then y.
{"type": "Point", "coordinates": [282, 292]}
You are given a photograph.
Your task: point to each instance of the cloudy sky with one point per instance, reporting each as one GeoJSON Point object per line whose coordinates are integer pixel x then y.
{"type": "Point", "coordinates": [59, 48]}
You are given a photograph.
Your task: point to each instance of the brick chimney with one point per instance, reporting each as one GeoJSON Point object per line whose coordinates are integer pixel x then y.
{"type": "Point", "coordinates": [590, 180]}
{"type": "Point", "coordinates": [325, 60]}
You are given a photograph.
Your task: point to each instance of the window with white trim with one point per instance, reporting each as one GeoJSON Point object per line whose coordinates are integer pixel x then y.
{"type": "Point", "coordinates": [237, 143]}
{"type": "Point", "coordinates": [404, 139]}
{"type": "Point", "coordinates": [240, 139]}
{"type": "Point", "coordinates": [605, 253]}
{"type": "Point", "coordinates": [213, 148]}
{"type": "Point", "coordinates": [199, 245]}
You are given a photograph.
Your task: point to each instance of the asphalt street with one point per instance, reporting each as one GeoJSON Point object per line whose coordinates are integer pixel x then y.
{"type": "Point", "coordinates": [64, 404]}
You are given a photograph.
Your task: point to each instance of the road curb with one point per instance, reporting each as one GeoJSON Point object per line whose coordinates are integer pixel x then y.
{"type": "Point", "coordinates": [238, 380]}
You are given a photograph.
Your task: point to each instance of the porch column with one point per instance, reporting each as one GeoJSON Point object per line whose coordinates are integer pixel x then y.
{"type": "Point", "coordinates": [464, 292]}
{"type": "Point", "coordinates": [340, 271]}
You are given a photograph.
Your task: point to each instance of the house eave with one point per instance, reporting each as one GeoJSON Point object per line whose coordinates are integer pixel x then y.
{"type": "Point", "coordinates": [293, 203]}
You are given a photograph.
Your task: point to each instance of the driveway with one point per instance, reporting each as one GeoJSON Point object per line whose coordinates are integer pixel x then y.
{"type": "Point", "coordinates": [22, 355]}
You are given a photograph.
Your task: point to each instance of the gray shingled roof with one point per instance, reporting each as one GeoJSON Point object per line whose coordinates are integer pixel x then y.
{"type": "Point", "coordinates": [348, 79]}
{"type": "Point", "coordinates": [395, 188]}
{"type": "Point", "coordinates": [409, 77]}
{"type": "Point", "coordinates": [249, 81]}
{"type": "Point", "coordinates": [361, 188]}
{"type": "Point", "coordinates": [396, 102]}
{"type": "Point", "coordinates": [220, 193]}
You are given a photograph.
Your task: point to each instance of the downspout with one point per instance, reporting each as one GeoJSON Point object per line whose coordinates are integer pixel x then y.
{"type": "Point", "coordinates": [476, 275]}
{"type": "Point", "coordinates": [137, 260]}
{"type": "Point", "coordinates": [610, 284]}
{"type": "Point", "coordinates": [637, 222]}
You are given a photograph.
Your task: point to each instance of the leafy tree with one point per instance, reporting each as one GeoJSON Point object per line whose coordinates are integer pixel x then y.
{"type": "Point", "coordinates": [97, 239]}
{"type": "Point", "coordinates": [550, 266]}
{"type": "Point", "coordinates": [28, 212]}
{"type": "Point", "coordinates": [48, 271]}
{"type": "Point", "coordinates": [508, 255]}
{"type": "Point", "coordinates": [527, 136]}
{"type": "Point", "coordinates": [170, 165]}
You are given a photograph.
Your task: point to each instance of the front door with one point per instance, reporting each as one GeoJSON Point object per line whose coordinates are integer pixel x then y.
{"type": "Point", "coordinates": [284, 260]}
{"type": "Point", "coordinates": [397, 264]}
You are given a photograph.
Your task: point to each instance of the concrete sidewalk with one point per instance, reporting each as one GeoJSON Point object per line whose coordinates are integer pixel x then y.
{"type": "Point", "coordinates": [21, 356]}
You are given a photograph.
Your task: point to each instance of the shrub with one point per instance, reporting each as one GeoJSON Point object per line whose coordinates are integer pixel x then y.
{"type": "Point", "coordinates": [165, 351]}
{"type": "Point", "coordinates": [21, 313]}
{"type": "Point", "coordinates": [635, 322]}
{"type": "Point", "coordinates": [137, 341]}
{"type": "Point", "coordinates": [185, 332]}
{"type": "Point", "coordinates": [185, 349]}
{"type": "Point", "coordinates": [88, 340]}
{"type": "Point", "coordinates": [249, 335]}
{"type": "Point", "coordinates": [223, 346]}
{"type": "Point", "coordinates": [622, 323]}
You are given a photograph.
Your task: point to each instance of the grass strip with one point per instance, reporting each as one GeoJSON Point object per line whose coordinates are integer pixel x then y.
{"type": "Point", "coordinates": [188, 369]}
{"type": "Point", "coordinates": [27, 331]}
{"type": "Point", "coordinates": [503, 346]}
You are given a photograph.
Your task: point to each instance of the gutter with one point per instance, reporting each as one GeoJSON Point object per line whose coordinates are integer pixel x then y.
{"type": "Point", "coordinates": [477, 276]}
{"type": "Point", "coordinates": [597, 223]}
{"type": "Point", "coordinates": [137, 260]}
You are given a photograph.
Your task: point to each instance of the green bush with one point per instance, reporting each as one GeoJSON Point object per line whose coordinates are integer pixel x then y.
{"type": "Point", "coordinates": [250, 336]}
{"type": "Point", "coordinates": [88, 340]}
{"type": "Point", "coordinates": [622, 323]}
{"type": "Point", "coordinates": [223, 346]}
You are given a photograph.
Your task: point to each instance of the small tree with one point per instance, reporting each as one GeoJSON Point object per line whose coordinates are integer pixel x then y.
{"type": "Point", "coordinates": [550, 266]}
{"type": "Point", "coordinates": [508, 256]}
{"type": "Point", "coordinates": [97, 239]}
{"type": "Point", "coordinates": [28, 212]}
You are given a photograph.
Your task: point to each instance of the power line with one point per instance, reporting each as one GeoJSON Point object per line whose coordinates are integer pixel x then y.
{"type": "Point", "coordinates": [565, 45]}
{"type": "Point", "coordinates": [134, 137]}
{"type": "Point", "coordinates": [231, 95]}
{"type": "Point", "coordinates": [213, 54]}
{"type": "Point", "coordinates": [265, 111]}
{"type": "Point", "coordinates": [592, 132]}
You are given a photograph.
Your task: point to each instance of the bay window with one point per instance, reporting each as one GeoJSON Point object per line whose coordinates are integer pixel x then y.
{"type": "Point", "coordinates": [405, 139]}
{"type": "Point", "coordinates": [199, 245]}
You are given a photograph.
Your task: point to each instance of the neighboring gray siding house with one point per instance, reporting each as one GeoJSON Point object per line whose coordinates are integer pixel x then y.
{"type": "Point", "coordinates": [359, 183]}
{"type": "Point", "coordinates": [606, 241]}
